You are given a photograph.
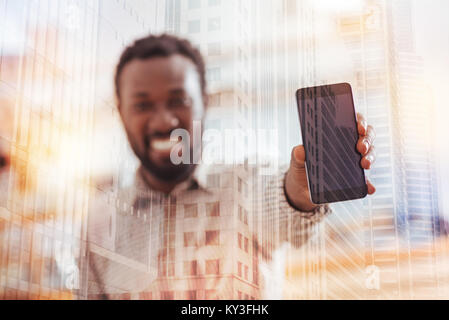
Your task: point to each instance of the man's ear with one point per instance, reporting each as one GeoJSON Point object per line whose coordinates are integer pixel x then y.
{"type": "Point", "coordinates": [119, 105]}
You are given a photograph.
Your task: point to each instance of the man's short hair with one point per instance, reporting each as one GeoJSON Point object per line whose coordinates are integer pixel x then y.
{"type": "Point", "coordinates": [160, 46]}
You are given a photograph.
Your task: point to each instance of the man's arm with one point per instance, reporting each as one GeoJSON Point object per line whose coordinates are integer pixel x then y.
{"type": "Point", "coordinates": [287, 207]}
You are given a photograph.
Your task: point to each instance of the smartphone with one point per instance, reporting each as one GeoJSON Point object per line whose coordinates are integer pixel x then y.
{"type": "Point", "coordinates": [329, 134]}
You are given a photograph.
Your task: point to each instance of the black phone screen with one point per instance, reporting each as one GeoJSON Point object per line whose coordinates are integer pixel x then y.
{"type": "Point", "coordinates": [329, 133]}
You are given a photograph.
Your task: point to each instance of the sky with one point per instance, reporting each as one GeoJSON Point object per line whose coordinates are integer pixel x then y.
{"type": "Point", "coordinates": [432, 43]}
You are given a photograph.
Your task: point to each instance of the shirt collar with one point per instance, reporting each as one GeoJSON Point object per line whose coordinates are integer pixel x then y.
{"type": "Point", "coordinates": [141, 194]}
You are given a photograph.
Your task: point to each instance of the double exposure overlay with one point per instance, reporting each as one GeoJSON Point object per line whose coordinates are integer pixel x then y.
{"type": "Point", "coordinates": [77, 222]}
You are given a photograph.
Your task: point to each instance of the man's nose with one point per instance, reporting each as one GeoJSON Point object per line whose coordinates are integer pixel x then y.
{"type": "Point", "coordinates": [163, 121]}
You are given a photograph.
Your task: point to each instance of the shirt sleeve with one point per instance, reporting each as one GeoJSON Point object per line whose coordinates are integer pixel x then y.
{"type": "Point", "coordinates": [314, 216]}
{"type": "Point", "coordinates": [281, 222]}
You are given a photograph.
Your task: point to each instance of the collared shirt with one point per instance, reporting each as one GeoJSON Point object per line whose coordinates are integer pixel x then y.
{"type": "Point", "coordinates": [210, 238]}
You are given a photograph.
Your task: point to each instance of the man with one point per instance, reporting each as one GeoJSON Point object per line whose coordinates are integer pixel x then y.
{"type": "Point", "coordinates": [5, 120]}
{"type": "Point", "coordinates": [181, 232]}
{"type": "Point", "coordinates": [3, 158]}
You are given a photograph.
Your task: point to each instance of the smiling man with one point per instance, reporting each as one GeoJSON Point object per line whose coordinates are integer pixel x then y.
{"type": "Point", "coordinates": [187, 231]}
{"type": "Point", "coordinates": [152, 107]}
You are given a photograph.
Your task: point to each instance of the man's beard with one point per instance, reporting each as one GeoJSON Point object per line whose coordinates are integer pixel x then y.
{"type": "Point", "coordinates": [169, 173]}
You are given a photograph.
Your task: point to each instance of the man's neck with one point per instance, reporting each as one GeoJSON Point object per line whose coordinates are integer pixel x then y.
{"type": "Point", "coordinates": [164, 186]}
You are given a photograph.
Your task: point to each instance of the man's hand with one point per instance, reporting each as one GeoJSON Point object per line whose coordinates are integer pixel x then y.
{"type": "Point", "coordinates": [296, 186]}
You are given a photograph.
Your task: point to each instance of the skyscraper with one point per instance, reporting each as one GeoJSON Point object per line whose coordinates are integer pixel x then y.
{"type": "Point", "coordinates": [390, 91]}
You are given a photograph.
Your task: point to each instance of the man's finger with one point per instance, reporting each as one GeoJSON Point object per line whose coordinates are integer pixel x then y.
{"type": "Point", "coordinates": [369, 159]}
{"type": "Point", "coordinates": [366, 141]}
{"type": "Point", "coordinates": [371, 188]}
{"type": "Point", "coordinates": [362, 125]}
{"type": "Point", "coordinates": [370, 134]}
{"type": "Point", "coordinates": [298, 157]}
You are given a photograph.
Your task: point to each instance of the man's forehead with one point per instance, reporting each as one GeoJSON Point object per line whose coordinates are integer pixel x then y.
{"type": "Point", "coordinates": [172, 71]}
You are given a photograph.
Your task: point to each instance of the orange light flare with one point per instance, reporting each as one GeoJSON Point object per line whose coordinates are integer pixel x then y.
{"type": "Point", "coordinates": [348, 272]}
{"type": "Point", "coordinates": [51, 149]}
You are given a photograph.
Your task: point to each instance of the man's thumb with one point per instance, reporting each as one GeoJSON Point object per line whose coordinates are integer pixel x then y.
{"type": "Point", "coordinates": [298, 157]}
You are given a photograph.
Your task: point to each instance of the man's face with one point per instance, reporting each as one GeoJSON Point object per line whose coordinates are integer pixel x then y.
{"type": "Point", "coordinates": [157, 96]}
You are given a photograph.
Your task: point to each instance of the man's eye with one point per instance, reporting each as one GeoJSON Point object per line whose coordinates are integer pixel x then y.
{"type": "Point", "coordinates": [178, 102]}
{"type": "Point", "coordinates": [142, 106]}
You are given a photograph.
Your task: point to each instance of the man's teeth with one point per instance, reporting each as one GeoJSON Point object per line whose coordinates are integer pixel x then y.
{"type": "Point", "coordinates": [163, 144]}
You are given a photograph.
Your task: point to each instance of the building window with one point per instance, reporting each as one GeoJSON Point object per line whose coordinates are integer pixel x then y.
{"type": "Point", "coordinates": [210, 294]}
{"type": "Point", "coordinates": [214, 74]}
{"type": "Point", "coordinates": [191, 210]}
{"type": "Point", "coordinates": [246, 244]}
{"type": "Point", "coordinates": [171, 269]}
{"type": "Point", "coordinates": [189, 239]}
{"type": "Point", "coordinates": [214, 49]}
{"type": "Point", "coordinates": [214, 2]}
{"type": "Point", "coordinates": [239, 269]}
{"type": "Point", "coordinates": [162, 265]}
{"type": "Point", "coordinates": [190, 295]}
{"type": "Point", "coordinates": [240, 240]}
{"type": "Point", "coordinates": [255, 272]}
{"type": "Point", "coordinates": [215, 100]}
{"type": "Point", "coordinates": [212, 266]}
{"type": "Point", "coordinates": [123, 296]}
{"type": "Point", "coordinates": [240, 183]}
{"type": "Point", "coordinates": [162, 270]}
{"type": "Point", "coordinates": [243, 215]}
{"type": "Point", "coordinates": [214, 24]}
{"type": "Point", "coordinates": [212, 238]}
{"type": "Point", "coordinates": [239, 295]}
{"type": "Point", "coordinates": [190, 268]}
{"type": "Point", "coordinates": [194, 4]}
{"type": "Point", "coordinates": [145, 296]}
{"type": "Point", "coordinates": [213, 209]}
{"type": "Point", "coordinates": [167, 295]}
{"type": "Point", "coordinates": [246, 272]}
{"type": "Point", "coordinates": [194, 26]}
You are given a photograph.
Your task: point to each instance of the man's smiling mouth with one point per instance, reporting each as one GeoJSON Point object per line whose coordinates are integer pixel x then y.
{"type": "Point", "coordinates": [162, 145]}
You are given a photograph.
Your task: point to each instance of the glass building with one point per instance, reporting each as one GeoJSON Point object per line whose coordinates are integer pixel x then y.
{"type": "Point", "coordinates": [69, 155]}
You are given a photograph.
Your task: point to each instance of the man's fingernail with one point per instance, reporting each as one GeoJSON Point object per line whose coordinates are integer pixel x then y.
{"type": "Point", "coordinates": [366, 144]}
{"type": "Point", "coordinates": [364, 124]}
{"type": "Point", "coordinates": [370, 158]}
